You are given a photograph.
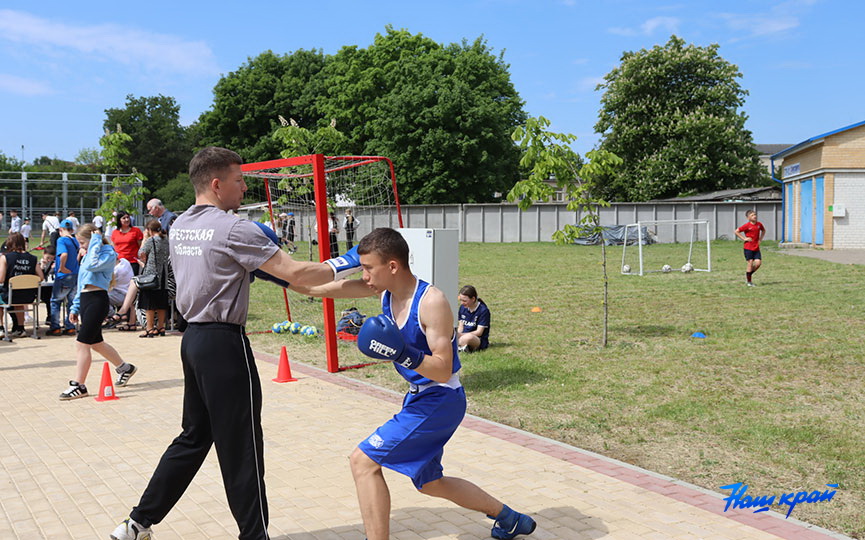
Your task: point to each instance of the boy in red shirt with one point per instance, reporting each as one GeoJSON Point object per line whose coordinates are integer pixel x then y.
{"type": "Point", "coordinates": [751, 233]}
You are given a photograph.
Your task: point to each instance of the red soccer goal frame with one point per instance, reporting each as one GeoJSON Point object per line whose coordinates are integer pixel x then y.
{"type": "Point", "coordinates": [319, 176]}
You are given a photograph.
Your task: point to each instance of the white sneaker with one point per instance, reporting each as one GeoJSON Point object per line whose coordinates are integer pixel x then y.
{"type": "Point", "coordinates": [751, 284]}
{"type": "Point", "coordinates": [131, 530]}
{"type": "Point", "coordinates": [75, 391]}
{"type": "Point", "coordinates": [463, 348]}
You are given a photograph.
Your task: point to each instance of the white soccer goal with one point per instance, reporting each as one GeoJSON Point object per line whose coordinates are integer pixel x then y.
{"type": "Point", "coordinates": [677, 245]}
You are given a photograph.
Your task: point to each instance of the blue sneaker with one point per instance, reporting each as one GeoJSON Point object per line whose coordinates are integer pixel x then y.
{"type": "Point", "coordinates": [510, 524]}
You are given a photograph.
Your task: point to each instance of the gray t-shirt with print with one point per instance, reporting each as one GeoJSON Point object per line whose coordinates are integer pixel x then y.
{"type": "Point", "coordinates": [213, 253]}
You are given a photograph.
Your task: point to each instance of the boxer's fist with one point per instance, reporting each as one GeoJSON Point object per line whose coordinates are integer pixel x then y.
{"type": "Point", "coordinates": [380, 338]}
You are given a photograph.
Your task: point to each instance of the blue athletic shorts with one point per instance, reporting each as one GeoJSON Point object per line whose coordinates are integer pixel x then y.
{"type": "Point", "coordinates": [412, 442]}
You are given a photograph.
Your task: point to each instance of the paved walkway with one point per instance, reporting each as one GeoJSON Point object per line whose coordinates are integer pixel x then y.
{"type": "Point", "coordinates": [842, 256]}
{"type": "Point", "coordinates": [74, 469]}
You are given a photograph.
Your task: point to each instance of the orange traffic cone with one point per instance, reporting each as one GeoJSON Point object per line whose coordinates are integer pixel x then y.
{"type": "Point", "coordinates": [284, 372]}
{"type": "Point", "coordinates": [106, 387]}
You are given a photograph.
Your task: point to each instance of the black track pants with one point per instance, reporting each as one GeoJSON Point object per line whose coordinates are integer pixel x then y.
{"type": "Point", "coordinates": [221, 406]}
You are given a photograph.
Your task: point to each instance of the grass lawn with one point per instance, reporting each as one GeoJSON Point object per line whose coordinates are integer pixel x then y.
{"type": "Point", "coordinates": [773, 397]}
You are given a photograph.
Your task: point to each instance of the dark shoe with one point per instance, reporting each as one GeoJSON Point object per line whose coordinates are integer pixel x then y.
{"type": "Point", "coordinates": [160, 331]}
{"type": "Point", "coordinates": [116, 319]}
{"type": "Point", "coordinates": [126, 327]}
{"type": "Point", "coordinates": [153, 332]}
{"type": "Point", "coordinates": [510, 524]}
{"type": "Point", "coordinates": [54, 332]}
{"type": "Point", "coordinates": [69, 332]}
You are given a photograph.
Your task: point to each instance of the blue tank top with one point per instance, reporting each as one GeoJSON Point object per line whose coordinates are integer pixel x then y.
{"type": "Point", "coordinates": [414, 335]}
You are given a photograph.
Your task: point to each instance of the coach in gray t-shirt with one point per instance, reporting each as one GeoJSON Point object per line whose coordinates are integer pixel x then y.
{"type": "Point", "coordinates": [212, 254]}
{"type": "Point", "coordinates": [209, 250]}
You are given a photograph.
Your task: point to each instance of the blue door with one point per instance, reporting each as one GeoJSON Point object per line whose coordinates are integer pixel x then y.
{"type": "Point", "coordinates": [788, 212]}
{"type": "Point", "coordinates": [806, 203]}
{"type": "Point", "coordinates": [818, 210]}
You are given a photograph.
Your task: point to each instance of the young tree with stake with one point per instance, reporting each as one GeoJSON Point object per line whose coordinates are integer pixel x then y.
{"type": "Point", "coordinates": [548, 155]}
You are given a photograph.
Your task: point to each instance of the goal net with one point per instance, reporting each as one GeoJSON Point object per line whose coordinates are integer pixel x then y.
{"type": "Point", "coordinates": [298, 197]}
{"type": "Point", "coordinates": [666, 246]}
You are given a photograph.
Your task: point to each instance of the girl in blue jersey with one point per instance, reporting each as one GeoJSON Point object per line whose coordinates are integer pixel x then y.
{"type": "Point", "coordinates": [473, 330]}
{"type": "Point", "coordinates": [416, 331]}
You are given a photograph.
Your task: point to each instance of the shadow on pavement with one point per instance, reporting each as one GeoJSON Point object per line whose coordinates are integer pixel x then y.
{"type": "Point", "coordinates": [587, 527]}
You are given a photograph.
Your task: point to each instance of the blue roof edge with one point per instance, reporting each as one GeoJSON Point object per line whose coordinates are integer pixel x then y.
{"type": "Point", "coordinates": [812, 139]}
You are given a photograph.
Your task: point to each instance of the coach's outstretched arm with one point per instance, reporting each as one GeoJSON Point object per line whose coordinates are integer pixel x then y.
{"type": "Point", "coordinates": [305, 273]}
{"type": "Point", "coordinates": [340, 267]}
{"type": "Point", "coordinates": [344, 288]}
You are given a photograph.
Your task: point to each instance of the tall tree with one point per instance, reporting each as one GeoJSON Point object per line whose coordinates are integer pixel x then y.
{"type": "Point", "coordinates": [159, 147]}
{"type": "Point", "coordinates": [247, 103]}
{"type": "Point", "coordinates": [671, 113]}
{"type": "Point", "coordinates": [443, 114]}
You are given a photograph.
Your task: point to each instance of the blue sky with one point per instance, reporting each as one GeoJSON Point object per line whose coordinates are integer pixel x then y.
{"type": "Point", "coordinates": [63, 63]}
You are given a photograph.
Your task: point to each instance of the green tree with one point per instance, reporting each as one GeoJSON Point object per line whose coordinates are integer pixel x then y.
{"type": "Point", "coordinates": [10, 163]}
{"type": "Point", "coordinates": [247, 102]}
{"type": "Point", "coordinates": [299, 141]}
{"type": "Point", "coordinates": [178, 194]}
{"type": "Point", "coordinates": [671, 113]}
{"type": "Point", "coordinates": [443, 114]}
{"type": "Point", "coordinates": [549, 155]}
{"type": "Point", "coordinates": [159, 146]}
{"type": "Point", "coordinates": [127, 192]}
{"type": "Point", "coordinates": [89, 158]}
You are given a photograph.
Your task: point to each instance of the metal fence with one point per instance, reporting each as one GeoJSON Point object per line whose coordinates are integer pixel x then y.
{"type": "Point", "coordinates": [507, 223]}
{"type": "Point", "coordinates": [33, 193]}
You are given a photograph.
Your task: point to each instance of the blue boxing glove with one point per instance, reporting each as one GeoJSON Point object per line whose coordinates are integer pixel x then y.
{"type": "Point", "coordinates": [346, 265]}
{"type": "Point", "coordinates": [380, 338]}
{"type": "Point", "coordinates": [261, 274]}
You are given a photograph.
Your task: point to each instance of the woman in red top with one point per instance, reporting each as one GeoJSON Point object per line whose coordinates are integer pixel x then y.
{"type": "Point", "coordinates": [127, 240]}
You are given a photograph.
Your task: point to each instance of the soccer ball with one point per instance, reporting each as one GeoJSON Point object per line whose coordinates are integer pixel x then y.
{"type": "Point", "coordinates": [309, 331]}
{"type": "Point", "coordinates": [295, 327]}
{"type": "Point", "coordinates": [277, 328]}
{"type": "Point", "coordinates": [666, 268]}
{"type": "Point", "coordinates": [687, 267]}
{"type": "Point", "coordinates": [626, 269]}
